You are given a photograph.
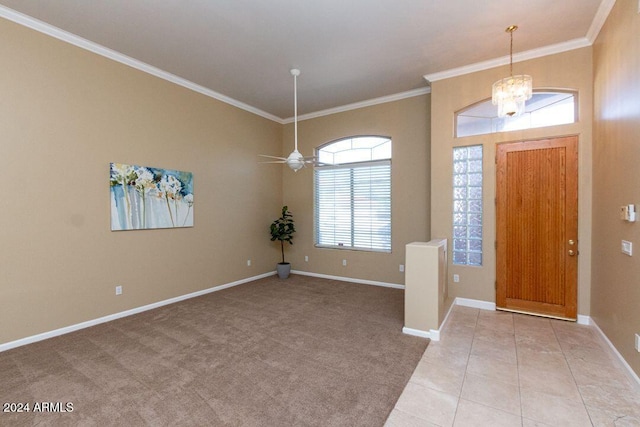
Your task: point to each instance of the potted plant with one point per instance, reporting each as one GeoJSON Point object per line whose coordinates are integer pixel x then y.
{"type": "Point", "coordinates": [282, 229]}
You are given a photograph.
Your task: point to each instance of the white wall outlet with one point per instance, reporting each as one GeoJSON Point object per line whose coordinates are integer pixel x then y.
{"type": "Point", "coordinates": [638, 343]}
{"type": "Point", "coordinates": [248, 263]}
{"type": "Point", "coordinates": [118, 290]}
{"type": "Point", "coordinates": [344, 262]}
{"type": "Point", "coordinates": [627, 247]}
{"type": "Point", "coordinates": [401, 268]}
{"type": "Point", "coordinates": [456, 278]}
{"type": "Point", "coordinates": [306, 258]}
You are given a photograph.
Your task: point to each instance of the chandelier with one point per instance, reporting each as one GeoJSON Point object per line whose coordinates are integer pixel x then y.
{"type": "Point", "coordinates": [510, 93]}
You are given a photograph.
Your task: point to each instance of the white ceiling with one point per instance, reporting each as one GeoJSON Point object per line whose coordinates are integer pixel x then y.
{"type": "Point", "coordinates": [349, 51]}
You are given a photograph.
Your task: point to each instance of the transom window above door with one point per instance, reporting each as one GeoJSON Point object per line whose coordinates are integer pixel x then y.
{"type": "Point", "coordinates": [545, 108]}
{"type": "Point", "coordinates": [352, 194]}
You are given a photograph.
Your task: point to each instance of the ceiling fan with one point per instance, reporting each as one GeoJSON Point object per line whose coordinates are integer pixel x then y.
{"type": "Point", "coordinates": [295, 160]}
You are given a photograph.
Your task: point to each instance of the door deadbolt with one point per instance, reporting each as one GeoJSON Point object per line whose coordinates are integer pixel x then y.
{"type": "Point", "coordinates": [572, 242]}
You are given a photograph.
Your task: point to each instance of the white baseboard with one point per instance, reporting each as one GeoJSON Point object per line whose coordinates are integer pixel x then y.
{"type": "Point", "coordinates": [433, 335]}
{"type": "Point", "coordinates": [89, 323]}
{"type": "Point", "coordinates": [474, 303]}
{"type": "Point", "coordinates": [482, 305]}
{"type": "Point", "coordinates": [349, 279]}
{"type": "Point", "coordinates": [446, 317]}
{"type": "Point", "coordinates": [615, 351]}
{"type": "Point", "coordinates": [584, 320]}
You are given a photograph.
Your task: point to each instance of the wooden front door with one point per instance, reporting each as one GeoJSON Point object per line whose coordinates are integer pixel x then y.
{"type": "Point", "coordinates": [537, 227]}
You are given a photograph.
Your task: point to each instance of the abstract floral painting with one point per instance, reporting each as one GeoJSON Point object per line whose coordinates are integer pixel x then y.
{"type": "Point", "coordinates": [145, 197]}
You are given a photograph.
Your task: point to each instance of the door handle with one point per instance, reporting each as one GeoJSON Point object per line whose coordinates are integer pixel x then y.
{"type": "Point", "coordinates": [572, 252]}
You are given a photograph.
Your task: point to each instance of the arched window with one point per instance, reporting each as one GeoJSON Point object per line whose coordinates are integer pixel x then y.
{"type": "Point", "coordinates": [352, 189]}
{"type": "Point", "coordinates": [545, 108]}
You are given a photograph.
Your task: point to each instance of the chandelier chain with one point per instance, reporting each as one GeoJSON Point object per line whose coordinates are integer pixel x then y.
{"type": "Point", "coordinates": [511, 54]}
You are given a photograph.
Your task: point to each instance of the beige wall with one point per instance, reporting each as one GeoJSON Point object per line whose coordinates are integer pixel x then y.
{"type": "Point", "coordinates": [569, 70]}
{"type": "Point", "coordinates": [615, 302]}
{"type": "Point", "coordinates": [407, 123]}
{"type": "Point", "coordinates": [66, 114]}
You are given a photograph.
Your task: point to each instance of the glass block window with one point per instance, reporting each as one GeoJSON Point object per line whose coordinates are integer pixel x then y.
{"type": "Point", "coordinates": [467, 205]}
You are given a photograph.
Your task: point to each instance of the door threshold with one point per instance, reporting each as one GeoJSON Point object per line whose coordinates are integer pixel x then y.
{"type": "Point", "coordinates": [530, 313]}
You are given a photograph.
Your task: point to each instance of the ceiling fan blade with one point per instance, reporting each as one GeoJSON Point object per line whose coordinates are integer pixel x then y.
{"type": "Point", "coordinates": [313, 160]}
{"type": "Point", "coordinates": [273, 157]}
{"type": "Point", "coordinates": [275, 161]}
{"type": "Point", "coordinates": [309, 161]}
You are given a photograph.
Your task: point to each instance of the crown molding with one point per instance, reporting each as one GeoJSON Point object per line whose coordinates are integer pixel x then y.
{"type": "Point", "coordinates": [361, 104]}
{"type": "Point", "coordinates": [517, 57]}
{"type": "Point", "coordinates": [603, 12]}
{"type": "Point", "coordinates": [98, 49]}
{"type": "Point", "coordinates": [598, 21]}
{"type": "Point", "coordinates": [596, 25]}
{"type": "Point", "coordinates": [65, 36]}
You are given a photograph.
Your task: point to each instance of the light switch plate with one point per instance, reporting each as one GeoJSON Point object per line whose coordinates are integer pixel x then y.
{"type": "Point", "coordinates": [627, 247]}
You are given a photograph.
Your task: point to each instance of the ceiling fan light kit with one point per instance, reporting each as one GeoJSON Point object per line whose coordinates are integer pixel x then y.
{"type": "Point", "coordinates": [295, 160]}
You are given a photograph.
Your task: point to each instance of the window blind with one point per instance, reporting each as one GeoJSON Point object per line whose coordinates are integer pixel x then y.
{"type": "Point", "coordinates": [353, 206]}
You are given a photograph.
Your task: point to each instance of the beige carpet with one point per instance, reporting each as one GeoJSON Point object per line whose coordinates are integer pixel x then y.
{"type": "Point", "coordinates": [296, 352]}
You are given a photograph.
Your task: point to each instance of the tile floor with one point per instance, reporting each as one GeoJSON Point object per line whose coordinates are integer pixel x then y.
{"type": "Point", "coordinates": [493, 368]}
